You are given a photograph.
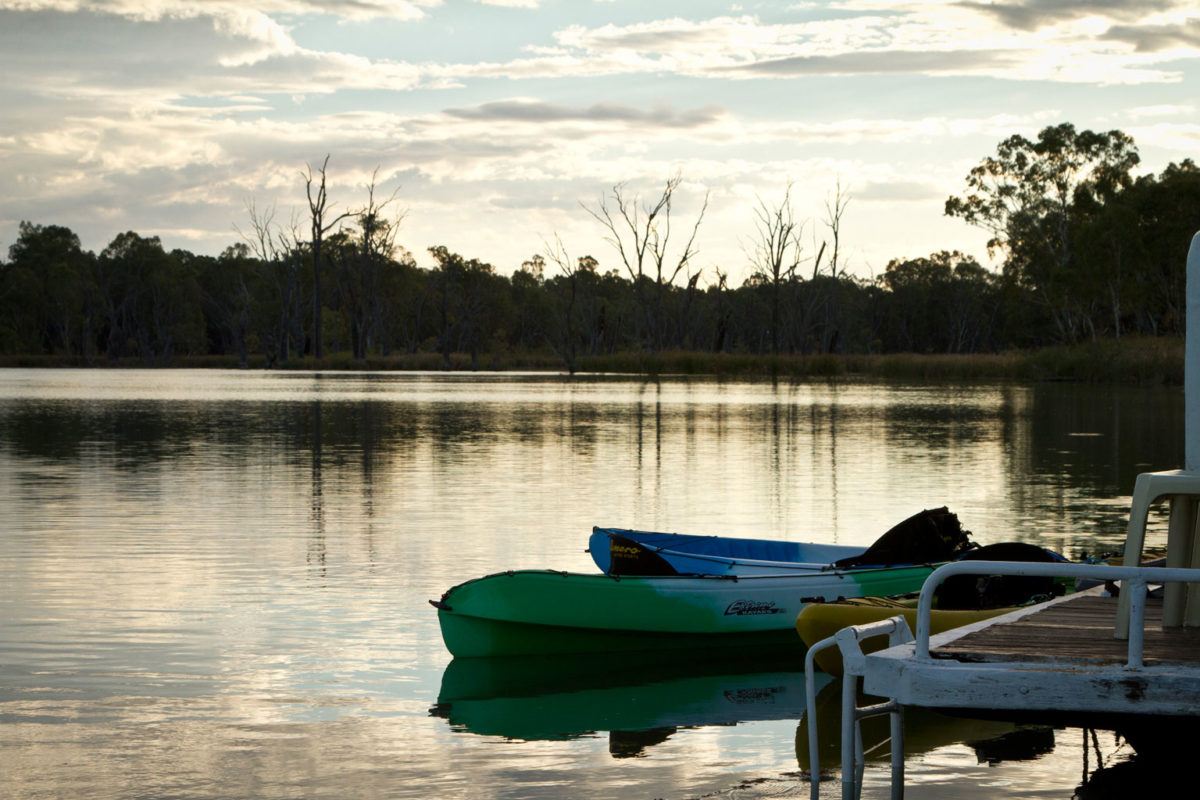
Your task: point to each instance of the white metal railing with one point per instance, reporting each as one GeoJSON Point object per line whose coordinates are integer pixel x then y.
{"type": "Point", "coordinates": [1134, 581]}
{"type": "Point", "coordinates": [853, 663]}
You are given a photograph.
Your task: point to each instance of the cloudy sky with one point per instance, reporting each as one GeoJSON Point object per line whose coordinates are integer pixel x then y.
{"type": "Point", "coordinates": [496, 119]}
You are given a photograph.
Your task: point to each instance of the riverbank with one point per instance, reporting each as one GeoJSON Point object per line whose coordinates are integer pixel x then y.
{"type": "Point", "coordinates": [1145, 361]}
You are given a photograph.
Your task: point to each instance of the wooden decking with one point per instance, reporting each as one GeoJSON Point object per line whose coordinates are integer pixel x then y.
{"type": "Point", "coordinates": [1080, 630]}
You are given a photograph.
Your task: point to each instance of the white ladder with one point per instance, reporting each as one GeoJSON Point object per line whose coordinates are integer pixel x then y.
{"type": "Point", "coordinates": [848, 641]}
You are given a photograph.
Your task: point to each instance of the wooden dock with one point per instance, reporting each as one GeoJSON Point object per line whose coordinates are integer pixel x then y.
{"type": "Point", "coordinates": [1063, 661]}
{"type": "Point", "coordinates": [1059, 659]}
{"type": "Point", "coordinates": [1080, 630]}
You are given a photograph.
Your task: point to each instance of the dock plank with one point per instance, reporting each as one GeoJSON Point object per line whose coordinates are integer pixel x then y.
{"type": "Point", "coordinates": [1080, 630]}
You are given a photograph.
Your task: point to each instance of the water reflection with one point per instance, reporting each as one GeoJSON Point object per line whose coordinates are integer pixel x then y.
{"type": "Point", "coordinates": [642, 700]}
{"type": "Point", "coordinates": [641, 703]}
{"type": "Point", "coordinates": [1049, 463]}
{"type": "Point", "coordinates": [214, 584]}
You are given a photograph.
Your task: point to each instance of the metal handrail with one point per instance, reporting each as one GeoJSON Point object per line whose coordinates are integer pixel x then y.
{"type": "Point", "coordinates": [810, 703]}
{"type": "Point", "coordinates": [1135, 580]}
{"type": "Point", "coordinates": [853, 662]}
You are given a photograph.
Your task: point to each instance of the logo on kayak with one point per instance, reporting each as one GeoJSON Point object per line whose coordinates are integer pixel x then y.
{"type": "Point", "coordinates": [747, 608]}
{"type": "Point", "coordinates": [765, 694]}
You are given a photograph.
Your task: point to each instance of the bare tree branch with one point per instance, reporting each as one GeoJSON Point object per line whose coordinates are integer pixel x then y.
{"type": "Point", "coordinates": [641, 235]}
{"type": "Point", "coordinates": [835, 208]}
{"type": "Point", "coordinates": [318, 207]}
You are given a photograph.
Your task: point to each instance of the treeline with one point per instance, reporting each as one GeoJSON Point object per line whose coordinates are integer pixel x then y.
{"type": "Point", "coordinates": [1089, 251]}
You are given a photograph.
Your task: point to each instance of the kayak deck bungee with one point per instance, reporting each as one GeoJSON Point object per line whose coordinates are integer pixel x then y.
{"type": "Point", "coordinates": [529, 612]}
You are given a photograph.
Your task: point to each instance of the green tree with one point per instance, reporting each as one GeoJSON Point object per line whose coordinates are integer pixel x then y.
{"type": "Point", "coordinates": [1167, 208]}
{"type": "Point", "coordinates": [473, 304]}
{"type": "Point", "coordinates": [48, 292]}
{"type": "Point", "coordinates": [230, 285]}
{"type": "Point", "coordinates": [151, 299]}
{"type": "Point", "coordinates": [1028, 197]}
{"type": "Point", "coordinates": [943, 303]}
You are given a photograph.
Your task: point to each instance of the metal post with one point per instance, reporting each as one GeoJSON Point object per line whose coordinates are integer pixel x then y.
{"type": "Point", "coordinates": [849, 729]}
{"type": "Point", "coordinates": [1181, 531]}
{"type": "Point", "coordinates": [810, 709]}
{"type": "Point", "coordinates": [854, 762]}
{"type": "Point", "coordinates": [1135, 540]}
{"type": "Point", "coordinates": [1191, 362]}
{"type": "Point", "coordinates": [860, 756]}
{"type": "Point", "coordinates": [1191, 603]}
{"type": "Point", "coordinates": [1137, 614]}
{"type": "Point", "coordinates": [897, 722]}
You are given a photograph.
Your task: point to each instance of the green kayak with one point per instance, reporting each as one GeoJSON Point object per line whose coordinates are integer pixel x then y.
{"type": "Point", "coordinates": [532, 612]}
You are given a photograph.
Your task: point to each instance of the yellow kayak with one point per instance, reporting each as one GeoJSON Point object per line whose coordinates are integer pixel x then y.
{"type": "Point", "coordinates": [817, 621]}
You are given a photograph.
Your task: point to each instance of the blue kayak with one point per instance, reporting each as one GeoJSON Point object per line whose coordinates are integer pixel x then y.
{"type": "Point", "coordinates": [928, 537]}
{"type": "Point", "coordinates": [629, 552]}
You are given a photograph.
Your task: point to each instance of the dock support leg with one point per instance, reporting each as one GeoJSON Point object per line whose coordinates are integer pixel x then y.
{"type": "Point", "coordinates": [1181, 543]}
{"type": "Point", "coordinates": [1135, 538]}
{"type": "Point", "coordinates": [854, 761]}
{"type": "Point", "coordinates": [850, 729]}
{"type": "Point", "coordinates": [897, 723]}
{"type": "Point", "coordinates": [1191, 611]}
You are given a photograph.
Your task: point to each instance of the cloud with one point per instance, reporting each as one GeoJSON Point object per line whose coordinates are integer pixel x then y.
{"type": "Point", "coordinates": [163, 117]}
{"type": "Point", "coordinates": [894, 130]}
{"type": "Point", "coordinates": [154, 10]}
{"type": "Point", "coordinates": [916, 38]}
{"type": "Point", "coordinates": [1181, 137]}
{"type": "Point", "coordinates": [898, 191]}
{"type": "Point", "coordinates": [1032, 15]}
{"type": "Point", "coordinates": [1156, 38]}
{"type": "Point", "coordinates": [526, 110]}
{"type": "Point", "coordinates": [1161, 110]}
{"type": "Point", "coordinates": [184, 171]}
{"type": "Point", "coordinates": [674, 35]}
{"type": "Point", "coordinates": [104, 55]}
{"type": "Point", "coordinates": [881, 61]}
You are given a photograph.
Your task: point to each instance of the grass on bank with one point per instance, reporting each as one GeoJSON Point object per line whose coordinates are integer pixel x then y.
{"type": "Point", "coordinates": [1129, 360]}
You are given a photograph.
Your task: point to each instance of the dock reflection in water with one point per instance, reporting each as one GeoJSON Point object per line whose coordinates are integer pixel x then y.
{"type": "Point", "coordinates": [945, 752]}
{"type": "Point", "coordinates": [924, 731]}
{"type": "Point", "coordinates": [641, 703]}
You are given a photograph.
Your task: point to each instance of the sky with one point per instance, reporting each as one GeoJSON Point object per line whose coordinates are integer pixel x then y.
{"type": "Point", "coordinates": [496, 124]}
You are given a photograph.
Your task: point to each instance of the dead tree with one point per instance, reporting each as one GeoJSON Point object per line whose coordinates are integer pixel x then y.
{"type": "Point", "coordinates": [835, 208]}
{"type": "Point", "coordinates": [376, 246]}
{"type": "Point", "coordinates": [278, 250]}
{"type": "Point", "coordinates": [317, 208]}
{"type": "Point", "coordinates": [776, 254]}
{"type": "Point", "coordinates": [641, 235]}
{"type": "Point", "coordinates": [723, 313]}
{"type": "Point", "coordinates": [564, 339]}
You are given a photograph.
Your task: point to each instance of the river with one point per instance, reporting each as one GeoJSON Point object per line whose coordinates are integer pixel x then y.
{"type": "Point", "coordinates": [214, 584]}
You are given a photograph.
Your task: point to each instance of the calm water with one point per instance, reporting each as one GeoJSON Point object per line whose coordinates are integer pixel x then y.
{"type": "Point", "coordinates": [214, 584]}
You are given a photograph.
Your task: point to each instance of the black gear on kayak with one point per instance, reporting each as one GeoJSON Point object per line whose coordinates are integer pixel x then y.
{"type": "Point", "coordinates": [929, 537]}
